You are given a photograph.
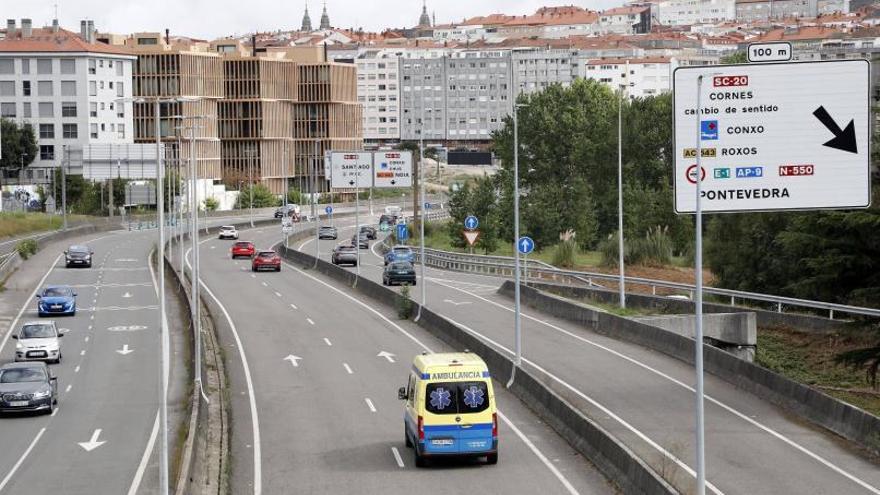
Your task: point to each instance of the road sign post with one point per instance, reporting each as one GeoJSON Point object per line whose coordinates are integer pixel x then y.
{"type": "Point", "coordinates": [777, 137]}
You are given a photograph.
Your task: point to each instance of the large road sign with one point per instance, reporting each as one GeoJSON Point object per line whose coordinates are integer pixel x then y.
{"type": "Point", "coordinates": [350, 169]}
{"type": "Point", "coordinates": [774, 136]}
{"type": "Point", "coordinates": [392, 169]}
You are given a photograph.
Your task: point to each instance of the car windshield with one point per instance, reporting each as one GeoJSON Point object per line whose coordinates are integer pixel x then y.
{"type": "Point", "coordinates": [39, 331]}
{"type": "Point", "coordinates": [401, 266]}
{"type": "Point", "coordinates": [402, 250]}
{"type": "Point", "coordinates": [22, 375]}
{"type": "Point", "coordinates": [77, 249]}
{"type": "Point", "coordinates": [327, 227]}
{"type": "Point", "coordinates": [227, 227]}
{"type": "Point", "coordinates": [267, 254]}
{"type": "Point", "coordinates": [56, 292]}
{"type": "Point", "coordinates": [242, 244]}
{"type": "Point", "coordinates": [346, 248]}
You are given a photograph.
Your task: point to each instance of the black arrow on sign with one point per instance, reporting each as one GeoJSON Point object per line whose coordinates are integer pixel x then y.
{"type": "Point", "coordinates": [844, 140]}
{"type": "Point", "coordinates": [393, 182]}
{"type": "Point", "coordinates": [351, 183]}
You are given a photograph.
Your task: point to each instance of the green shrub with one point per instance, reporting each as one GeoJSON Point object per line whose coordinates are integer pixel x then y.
{"type": "Point", "coordinates": [404, 304]}
{"type": "Point", "coordinates": [566, 251]}
{"type": "Point", "coordinates": [26, 248]}
{"type": "Point", "coordinates": [211, 204]}
{"type": "Point", "coordinates": [653, 249]}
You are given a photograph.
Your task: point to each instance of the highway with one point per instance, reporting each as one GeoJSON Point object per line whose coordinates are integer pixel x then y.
{"type": "Point", "coordinates": [646, 398]}
{"type": "Point", "coordinates": [101, 436]}
{"type": "Point", "coordinates": [314, 373]}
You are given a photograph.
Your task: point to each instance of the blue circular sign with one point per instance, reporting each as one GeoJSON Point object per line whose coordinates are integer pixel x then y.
{"type": "Point", "coordinates": [471, 222]}
{"type": "Point", "coordinates": [525, 245]}
{"type": "Point", "coordinates": [328, 210]}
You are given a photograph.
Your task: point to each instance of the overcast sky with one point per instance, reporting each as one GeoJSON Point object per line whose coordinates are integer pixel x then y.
{"type": "Point", "coordinates": [214, 18]}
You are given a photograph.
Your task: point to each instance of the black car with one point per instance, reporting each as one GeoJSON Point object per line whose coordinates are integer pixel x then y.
{"type": "Point", "coordinates": [327, 232]}
{"type": "Point", "coordinates": [370, 231]}
{"type": "Point", "coordinates": [344, 255]}
{"type": "Point", "coordinates": [27, 386]}
{"type": "Point", "coordinates": [361, 240]}
{"type": "Point", "coordinates": [78, 256]}
{"type": "Point", "coordinates": [399, 272]}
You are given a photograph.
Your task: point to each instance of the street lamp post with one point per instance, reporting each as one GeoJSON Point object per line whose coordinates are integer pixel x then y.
{"type": "Point", "coordinates": [620, 260]}
{"type": "Point", "coordinates": [517, 311]}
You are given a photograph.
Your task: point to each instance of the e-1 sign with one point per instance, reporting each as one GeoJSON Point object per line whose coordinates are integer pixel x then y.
{"type": "Point", "coordinates": [775, 136]}
{"type": "Point", "coordinates": [351, 169]}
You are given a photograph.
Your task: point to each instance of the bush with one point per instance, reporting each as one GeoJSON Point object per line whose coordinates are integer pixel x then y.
{"type": "Point", "coordinates": [211, 204]}
{"type": "Point", "coordinates": [653, 249]}
{"type": "Point", "coordinates": [404, 304]}
{"type": "Point", "coordinates": [26, 248]}
{"type": "Point", "coordinates": [566, 251]}
{"type": "Point", "coordinates": [294, 196]}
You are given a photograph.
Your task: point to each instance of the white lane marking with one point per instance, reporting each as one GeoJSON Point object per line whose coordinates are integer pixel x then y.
{"type": "Point", "coordinates": [54, 412]}
{"type": "Point", "coordinates": [293, 306]}
{"type": "Point", "coordinates": [310, 321]}
{"type": "Point", "coordinates": [82, 352]}
{"type": "Point", "coordinates": [76, 370]}
{"type": "Point", "coordinates": [90, 327]}
{"type": "Point", "coordinates": [397, 457]}
{"type": "Point", "coordinates": [294, 360]}
{"type": "Point", "coordinates": [370, 405]}
{"type": "Point", "coordinates": [347, 368]}
{"type": "Point", "coordinates": [258, 475]}
{"type": "Point", "coordinates": [278, 294]}
{"type": "Point", "coordinates": [93, 442]}
{"type": "Point", "coordinates": [387, 355]}
{"type": "Point", "coordinates": [26, 452]}
{"type": "Point", "coordinates": [327, 341]}
{"type": "Point", "coordinates": [125, 350]}
{"type": "Point", "coordinates": [568, 486]}
{"type": "Point", "coordinates": [139, 474]}
{"type": "Point", "coordinates": [559, 476]}
{"type": "Point", "coordinates": [87, 338]}
{"type": "Point", "coordinates": [265, 284]}
{"type": "Point", "coordinates": [252, 275]}
{"type": "Point", "coordinates": [68, 388]}
{"type": "Point", "coordinates": [709, 398]}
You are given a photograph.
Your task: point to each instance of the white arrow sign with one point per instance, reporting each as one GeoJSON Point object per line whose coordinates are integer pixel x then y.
{"type": "Point", "coordinates": [294, 360]}
{"type": "Point", "coordinates": [93, 443]}
{"type": "Point", "coordinates": [387, 355]}
{"type": "Point", "coordinates": [125, 350]}
{"type": "Point", "coordinates": [126, 295]}
{"type": "Point", "coordinates": [450, 301]}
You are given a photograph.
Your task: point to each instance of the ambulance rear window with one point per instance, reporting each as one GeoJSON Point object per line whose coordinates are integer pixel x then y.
{"type": "Point", "coordinates": [456, 397]}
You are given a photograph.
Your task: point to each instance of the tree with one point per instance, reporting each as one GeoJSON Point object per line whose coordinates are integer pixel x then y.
{"type": "Point", "coordinates": [19, 145]}
{"type": "Point", "coordinates": [211, 204]}
{"type": "Point", "coordinates": [263, 197]}
{"type": "Point", "coordinates": [412, 146]}
{"type": "Point", "coordinates": [740, 57]}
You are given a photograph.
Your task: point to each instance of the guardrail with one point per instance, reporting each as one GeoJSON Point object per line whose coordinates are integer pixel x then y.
{"type": "Point", "coordinates": [504, 266]}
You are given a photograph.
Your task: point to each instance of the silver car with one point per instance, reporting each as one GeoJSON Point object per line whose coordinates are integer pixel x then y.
{"type": "Point", "coordinates": [38, 341]}
{"type": "Point", "coordinates": [228, 232]}
{"type": "Point", "coordinates": [27, 387]}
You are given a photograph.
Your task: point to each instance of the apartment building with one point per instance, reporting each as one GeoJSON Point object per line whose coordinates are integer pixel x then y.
{"type": "Point", "coordinates": [256, 121]}
{"type": "Point", "coordinates": [195, 78]}
{"type": "Point", "coordinates": [690, 12]}
{"type": "Point", "coordinates": [460, 99]}
{"type": "Point", "coordinates": [67, 86]}
{"type": "Point", "coordinates": [631, 19]}
{"type": "Point", "coordinates": [536, 69]}
{"type": "Point", "coordinates": [640, 77]}
{"type": "Point", "coordinates": [378, 91]}
{"type": "Point", "coordinates": [764, 10]}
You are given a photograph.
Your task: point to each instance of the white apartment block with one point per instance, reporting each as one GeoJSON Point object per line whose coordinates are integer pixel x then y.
{"type": "Point", "coordinates": [66, 86]}
{"type": "Point", "coordinates": [640, 77]}
{"type": "Point", "coordinates": [690, 12]}
{"type": "Point", "coordinates": [535, 70]}
{"type": "Point", "coordinates": [378, 91]}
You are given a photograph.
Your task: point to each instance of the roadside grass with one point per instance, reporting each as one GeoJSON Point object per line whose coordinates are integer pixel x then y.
{"type": "Point", "coordinates": [809, 358]}
{"type": "Point", "coordinates": [18, 223]}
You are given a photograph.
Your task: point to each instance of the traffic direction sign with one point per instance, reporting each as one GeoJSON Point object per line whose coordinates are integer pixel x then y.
{"type": "Point", "coordinates": [392, 169]}
{"type": "Point", "coordinates": [784, 136]}
{"type": "Point", "coordinates": [328, 210]}
{"type": "Point", "coordinates": [471, 222]}
{"type": "Point", "coordinates": [351, 169]}
{"type": "Point", "coordinates": [525, 245]}
{"type": "Point", "coordinates": [402, 232]}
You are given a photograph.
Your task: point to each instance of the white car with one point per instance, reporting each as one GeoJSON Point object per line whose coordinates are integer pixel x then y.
{"type": "Point", "coordinates": [38, 341]}
{"type": "Point", "coordinates": [228, 232]}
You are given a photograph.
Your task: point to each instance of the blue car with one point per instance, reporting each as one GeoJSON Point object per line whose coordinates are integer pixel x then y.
{"type": "Point", "coordinates": [56, 300]}
{"type": "Point", "coordinates": [399, 253]}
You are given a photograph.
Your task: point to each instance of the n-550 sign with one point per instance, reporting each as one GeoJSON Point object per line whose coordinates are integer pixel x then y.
{"type": "Point", "coordinates": [776, 136]}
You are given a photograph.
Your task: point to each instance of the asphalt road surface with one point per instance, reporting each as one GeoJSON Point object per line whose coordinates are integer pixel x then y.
{"type": "Point", "coordinates": [314, 404]}
{"type": "Point", "coordinates": [646, 398]}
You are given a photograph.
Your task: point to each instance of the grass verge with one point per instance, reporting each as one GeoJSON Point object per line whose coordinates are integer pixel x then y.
{"type": "Point", "coordinates": [19, 223]}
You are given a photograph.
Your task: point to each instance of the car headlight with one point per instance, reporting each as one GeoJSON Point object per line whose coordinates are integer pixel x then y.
{"type": "Point", "coordinates": [43, 394]}
{"type": "Point", "coordinates": [19, 345]}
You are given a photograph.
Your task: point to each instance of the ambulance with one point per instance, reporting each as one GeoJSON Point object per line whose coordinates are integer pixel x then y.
{"type": "Point", "coordinates": [450, 408]}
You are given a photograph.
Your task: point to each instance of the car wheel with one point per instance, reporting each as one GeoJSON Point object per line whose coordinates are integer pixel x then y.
{"type": "Point", "coordinates": [89, 265]}
{"type": "Point", "coordinates": [421, 461]}
{"type": "Point", "coordinates": [492, 459]}
{"type": "Point", "coordinates": [58, 361]}
{"type": "Point", "coordinates": [384, 281]}
{"type": "Point", "coordinates": [253, 268]}
{"type": "Point", "coordinates": [278, 269]}
{"type": "Point", "coordinates": [51, 407]}
{"type": "Point", "coordinates": [409, 443]}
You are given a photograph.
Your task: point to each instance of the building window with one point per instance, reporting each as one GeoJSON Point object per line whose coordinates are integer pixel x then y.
{"type": "Point", "coordinates": [93, 109]}
{"type": "Point", "coordinates": [44, 66]}
{"type": "Point", "coordinates": [91, 66]}
{"type": "Point", "coordinates": [26, 88]}
{"type": "Point", "coordinates": [68, 66]}
{"type": "Point", "coordinates": [120, 89]}
{"type": "Point", "coordinates": [93, 131]}
{"type": "Point", "coordinates": [7, 88]}
{"type": "Point", "coordinates": [47, 131]}
{"type": "Point", "coordinates": [46, 109]}
{"type": "Point", "coordinates": [147, 41]}
{"type": "Point", "coordinates": [7, 66]}
{"type": "Point", "coordinates": [68, 109]}
{"type": "Point", "coordinates": [47, 152]}
{"type": "Point", "coordinates": [70, 131]}
{"type": "Point", "coordinates": [26, 107]}
{"type": "Point", "coordinates": [68, 88]}
{"type": "Point", "coordinates": [103, 127]}
{"type": "Point", "coordinates": [93, 88]}
{"type": "Point", "coordinates": [102, 84]}
{"type": "Point", "coordinates": [44, 88]}
{"type": "Point", "coordinates": [7, 110]}
{"type": "Point", "coordinates": [26, 66]}
{"type": "Point", "coordinates": [120, 69]}
{"type": "Point", "coordinates": [120, 131]}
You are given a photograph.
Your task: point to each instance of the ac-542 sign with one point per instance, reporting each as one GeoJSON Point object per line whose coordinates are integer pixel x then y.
{"type": "Point", "coordinates": [783, 136]}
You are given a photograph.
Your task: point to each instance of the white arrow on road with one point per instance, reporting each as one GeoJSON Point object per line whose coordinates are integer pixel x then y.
{"type": "Point", "coordinates": [93, 443]}
{"type": "Point", "coordinates": [125, 350]}
{"type": "Point", "coordinates": [126, 295]}
{"type": "Point", "coordinates": [450, 301]}
{"type": "Point", "coordinates": [294, 360]}
{"type": "Point", "coordinates": [387, 355]}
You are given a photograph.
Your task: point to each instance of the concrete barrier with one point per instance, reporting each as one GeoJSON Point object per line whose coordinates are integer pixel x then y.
{"type": "Point", "coordinates": [850, 422]}
{"type": "Point", "coordinates": [614, 459]}
{"type": "Point", "coordinates": [735, 333]}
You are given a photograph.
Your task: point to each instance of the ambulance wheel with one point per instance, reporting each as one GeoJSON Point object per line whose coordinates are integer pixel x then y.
{"type": "Point", "coordinates": [421, 461]}
{"type": "Point", "coordinates": [492, 459]}
{"type": "Point", "coordinates": [409, 443]}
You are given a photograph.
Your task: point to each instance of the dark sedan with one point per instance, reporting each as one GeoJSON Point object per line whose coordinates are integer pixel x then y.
{"type": "Point", "coordinates": [344, 255]}
{"type": "Point", "coordinates": [327, 232]}
{"type": "Point", "coordinates": [78, 256]}
{"type": "Point", "coordinates": [369, 231]}
{"type": "Point", "coordinates": [399, 272]}
{"type": "Point", "coordinates": [361, 240]}
{"type": "Point", "coordinates": [27, 387]}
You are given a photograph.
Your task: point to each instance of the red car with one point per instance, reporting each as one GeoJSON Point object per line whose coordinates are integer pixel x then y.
{"type": "Point", "coordinates": [266, 260]}
{"type": "Point", "coordinates": [243, 248]}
